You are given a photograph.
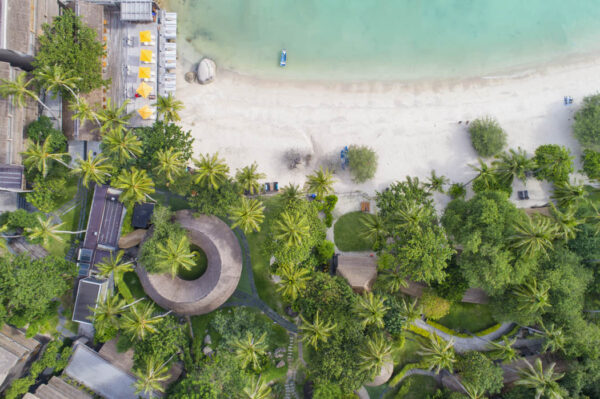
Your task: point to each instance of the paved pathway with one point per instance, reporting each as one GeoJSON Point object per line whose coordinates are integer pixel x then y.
{"type": "Point", "coordinates": [290, 382]}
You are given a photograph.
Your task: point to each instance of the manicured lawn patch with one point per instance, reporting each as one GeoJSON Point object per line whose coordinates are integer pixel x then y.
{"type": "Point", "coordinates": [417, 387]}
{"type": "Point", "coordinates": [133, 283]}
{"type": "Point", "coordinates": [408, 353]}
{"type": "Point", "coordinates": [375, 392]}
{"type": "Point", "coordinates": [347, 235]}
{"type": "Point", "coordinates": [468, 317]}
{"type": "Point", "coordinates": [197, 270]}
{"type": "Point", "coordinates": [171, 200]}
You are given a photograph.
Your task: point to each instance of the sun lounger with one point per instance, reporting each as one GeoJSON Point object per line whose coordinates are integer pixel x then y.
{"type": "Point", "coordinates": [267, 187]}
{"type": "Point", "coordinates": [152, 43]}
{"type": "Point", "coordinates": [276, 186]}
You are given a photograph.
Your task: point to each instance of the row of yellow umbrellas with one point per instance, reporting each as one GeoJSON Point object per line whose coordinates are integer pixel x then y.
{"type": "Point", "coordinates": [145, 89]}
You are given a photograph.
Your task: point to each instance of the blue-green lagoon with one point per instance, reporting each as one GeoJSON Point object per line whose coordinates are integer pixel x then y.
{"type": "Point", "coordinates": [387, 39]}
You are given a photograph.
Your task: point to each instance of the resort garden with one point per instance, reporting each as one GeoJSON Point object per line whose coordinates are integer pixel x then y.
{"type": "Point", "coordinates": [479, 300]}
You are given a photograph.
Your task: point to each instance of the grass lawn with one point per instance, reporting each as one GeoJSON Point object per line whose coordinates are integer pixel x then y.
{"type": "Point", "coordinates": [408, 353]}
{"type": "Point", "coordinates": [133, 283]}
{"type": "Point", "coordinates": [469, 317]}
{"type": "Point", "coordinates": [197, 270]}
{"type": "Point", "coordinates": [346, 233]}
{"type": "Point", "coordinates": [173, 202]}
{"type": "Point", "coordinates": [61, 247]}
{"type": "Point", "coordinates": [375, 392]}
{"type": "Point", "coordinates": [417, 387]}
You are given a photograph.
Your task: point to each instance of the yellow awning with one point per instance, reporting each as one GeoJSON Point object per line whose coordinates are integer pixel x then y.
{"type": "Point", "coordinates": [145, 36]}
{"type": "Point", "coordinates": [145, 55]}
{"type": "Point", "coordinates": [144, 89]}
{"type": "Point", "coordinates": [144, 73]}
{"type": "Point", "coordinates": [145, 112]}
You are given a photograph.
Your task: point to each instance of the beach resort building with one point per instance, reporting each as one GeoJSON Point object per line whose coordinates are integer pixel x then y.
{"type": "Point", "coordinates": [360, 271]}
{"type": "Point", "coordinates": [57, 388]}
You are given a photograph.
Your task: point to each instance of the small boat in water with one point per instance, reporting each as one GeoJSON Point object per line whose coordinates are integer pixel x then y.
{"type": "Point", "coordinates": [283, 59]}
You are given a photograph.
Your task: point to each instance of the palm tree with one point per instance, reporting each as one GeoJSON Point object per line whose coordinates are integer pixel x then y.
{"type": "Point", "coordinates": [540, 379]}
{"type": "Point", "coordinates": [372, 227]}
{"type": "Point", "coordinates": [37, 156]}
{"type": "Point", "coordinates": [410, 311]}
{"type": "Point", "coordinates": [391, 280]}
{"type": "Point", "coordinates": [567, 223]}
{"type": "Point", "coordinates": [170, 163]}
{"type": "Point", "coordinates": [249, 351]}
{"type": "Point", "coordinates": [412, 216]}
{"type": "Point", "coordinates": [151, 377]}
{"type": "Point", "coordinates": [212, 171]}
{"type": "Point", "coordinates": [247, 214]}
{"type": "Point", "coordinates": [554, 339]}
{"type": "Point", "coordinates": [436, 183]}
{"type": "Point", "coordinates": [92, 169]}
{"type": "Point", "coordinates": [52, 78]}
{"type": "Point", "coordinates": [258, 389]}
{"type": "Point", "coordinates": [291, 194]}
{"type": "Point", "coordinates": [566, 194]}
{"type": "Point", "coordinates": [138, 321]}
{"type": "Point", "coordinates": [377, 353]}
{"type": "Point", "coordinates": [371, 309]}
{"type": "Point", "coordinates": [316, 331]}
{"type": "Point", "coordinates": [107, 312]}
{"type": "Point", "coordinates": [533, 235]}
{"type": "Point", "coordinates": [175, 255]}
{"type": "Point", "coordinates": [113, 117]}
{"type": "Point", "coordinates": [504, 349]}
{"type": "Point", "coordinates": [248, 178]}
{"type": "Point", "coordinates": [168, 107]}
{"type": "Point", "coordinates": [121, 145]}
{"type": "Point", "coordinates": [47, 230]}
{"type": "Point", "coordinates": [513, 164]}
{"type": "Point", "coordinates": [473, 391]}
{"type": "Point", "coordinates": [531, 298]}
{"type": "Point", "coordinates": [437, 353]}
{"type": "Point", "coordinates": [485, 174]}
{"type": "Point", "coordinates": [320, 182]}
{"type": "Point", "coordinates": [114, 266]}
{"type": "Point", "coordinates": [293, 280]}
{"type": "Point", "coordinates": [83, 111]}
{"type": "Point", "coordinates": [292, 228]}
{"type": "Point", "coordinates": [136, 185]}
{"type": "Point", "coordinates": [20, 91]}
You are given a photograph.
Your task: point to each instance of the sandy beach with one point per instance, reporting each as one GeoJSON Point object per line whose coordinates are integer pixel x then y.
{"type": "Point", "coordinates": [413, 127]}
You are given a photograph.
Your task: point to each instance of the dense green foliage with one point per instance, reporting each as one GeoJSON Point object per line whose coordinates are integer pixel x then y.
{"type": "Point", "coordinates": [48, 193]}
{"type": "Point", "coordinates": [160, 136]}
{"type": "Point", "coordinates": [168, 340]}
{"type": "Point", "coordinates": [587, 123]}
{"type": "Point", "coordinates": [477, 370]}
{"type": "Point", "coordinates": [71, 44]}
{"type": "Point", "coordinates": [554, 163]}
{"type": "Point", "coordinates": [214, 201]}
{"type": "Point", "coordinates": [362, 162]}
{"type": "Point", "coordinates": [236, 323]}
{"type": "Point", "coordinates": [487, 136]}
{"type": "Point", "coordinates": [434, 307]}
{"type": "Point", "coordinates": [591, 164]}
{"type": "Point", "coordinates": [42, 130]}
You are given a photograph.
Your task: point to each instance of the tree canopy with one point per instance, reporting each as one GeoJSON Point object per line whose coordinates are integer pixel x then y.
{"type": "Point", "coordinates": [161, 136]}
{"type": "Point", "coordinates": [554, 163]}
{"type": "Point", "coordinates": [362, 162]}
{"type": "Point", "coordinates": [487, 136]}
{"type": "Point", "coordinates": [587, 123]}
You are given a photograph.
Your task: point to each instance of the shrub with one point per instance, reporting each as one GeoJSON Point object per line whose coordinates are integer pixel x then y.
{"type": "Point", "coordinates": [418, 330]}
{"type": "Point", "coordinates": [478, 370]}
{"type": "Point", "coordinates": [457, 190]}
{"type": "Point", "coordinates": [488, 330]}
{"type": "Point", "coordinates": [325, 251]}
{"type": "Point", "coordinates": [393, 319]}
{"type": "Point", "coordinates": [554, 163]}
{"type": "Point", "coordinates": [47, 194]}
{"type": "Point", "coordinates": [591, 164]}
{"type": "Point", "coordinates": [41, 130]}
{"type": "Point", "coordinates": [487, 136]}
{"type": "Point", "coordinates": [363, 163]}
{"type": "Point", "coordinates": [587, 123]}
{"type": "Point", "coordinates": [214, 202]}
{"type": "Point", "coordinates": [434, 307]}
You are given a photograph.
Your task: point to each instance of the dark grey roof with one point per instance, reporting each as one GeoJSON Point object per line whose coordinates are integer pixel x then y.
{"type": "Point", "coordinates": [11, 177]}
{"type": "Point", "coordinates": [105, 220]}
{"type": "Point", "coordinates": [88, 293]}
{"type": "Point", "coordinates": [136, 10]}
{"type": "Point", "coordinates": [141, 215]}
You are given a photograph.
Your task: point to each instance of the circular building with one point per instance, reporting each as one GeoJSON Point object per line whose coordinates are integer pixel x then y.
{"type": "Point", "coordinates": [219, 281]}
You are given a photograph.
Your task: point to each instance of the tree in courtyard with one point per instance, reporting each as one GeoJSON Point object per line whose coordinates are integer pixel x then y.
{"type": "Point", "coordinates": [258, 389]}
{"type": "Point", "coordinates": [375, 355]}
{"type": "Point", "coordinates": [20, 92]}
{"type": "Point", "coordinates": [554, 338]}
{"type": "Point", "coordinates": [48, 193]}
{"type": "Point", "coordinates": [114, 266]}
{"type": "Point", "coordinates": [504, 350]}
{"type": "Point", "coordinates": [136, 186]}
{"type": "Point", "coordinates": [212, 171]}
{"type": "Point", "coordinates": [410, 311]}
{"type": "Point", "coordinates": [291, 228]}
{"type": "Point", "coordinates": [47, 230]}
{"type": "Point", "coordinates": [542, 379]}
{"type": "Point", "coordinates": [93, 169]}
{"type": "Point", "coordinates": [591, 164]}
{"type": "Point", "coordinates": [43, 130]}
{"type": "Point", "coordinates": [317, 331]}
{"type": "Point", "coordinates": [106, 316]}
{"type": "Point", "coordinates": [587, 123]}
{"type": "Point", "coordinates": [168, 107]}
{"type": "Point", "coordinates": [248, 178]}
{"type": "Point", "coordinates": [567, 194]}
{"type": "Point", "coordinates": [532, 298]}
{"type": "Point", "coordinates": [53, 78]}
{"type": "Point", "coordinates": [554, 163]}
{"type": "Point", "coordinates": [372, 227]}
{"type": "Point", "coordinates": [151, 377]}
{"type": "Point", "coordinates": [113, 117]}
{"type": "Point", "coordinates": [83, 111]}
{"type": "Point", "coordinates": [175, 255]}
{"type": "Point", "coordinates": [121, 145]}
{"type": "Point", "coordinates": [533, 235]}
{"type": "Point", "coordinates": [487, 137]}
{"type": "Point", "coordinates": [159, 136]}
{"type": "Point", "coordinates": [248, 215]}
{"type": "Point", "coordinates": [437, 354]}
{"type": "Point", "coordinates": [37, 157]}
{"type": "Point", "coordinates": [291, 194]}
{"type": "Point", "coordinates": [362, 161]}
{"type": "Point", "coordinates": [249, 351]}
{"type": "Point", "coordinates": [139, 320]}
{"type": "Point", "coordinates": [170, 164]}
{"type": "Point", "coordinates": [513, 164]}
{"type": "Point", "coordinates": [293, 280]}
{"type": "Point", "coordinates": [371, 309]}
{"type": "Point", "coordinates": [477, 370]}
{"type": "Point", "coordinates": [320, 182]}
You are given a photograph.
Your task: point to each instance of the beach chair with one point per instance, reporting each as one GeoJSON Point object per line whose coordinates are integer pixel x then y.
{"type": "Point", "coordinates": [365, 207]}
{"type": "Point", "coordinates": [276, 186]}
{"type": "Point", "coordinates": [267, 187]}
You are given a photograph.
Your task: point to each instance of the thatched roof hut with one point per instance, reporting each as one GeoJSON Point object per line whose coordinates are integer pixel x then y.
{"type": "Point", "coordinates": [218, 282]}
{"type": "Point", "coordinates": [360, 271]}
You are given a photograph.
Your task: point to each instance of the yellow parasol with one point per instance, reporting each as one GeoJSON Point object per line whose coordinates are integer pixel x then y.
{"type": "Point", "coordinates": [144, 89]}
{"type": "Point", "coordinates": [145, 55]}
{"type": "Point", "coordinates": [144, 73]}
{"type": "Point", "coordinates": [145, 36]}
{"type": "Point", "coordinates": [145, 112]}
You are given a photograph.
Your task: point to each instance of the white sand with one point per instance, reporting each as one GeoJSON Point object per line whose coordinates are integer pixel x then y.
{"type": "Point", "coordinates": [413, 127]}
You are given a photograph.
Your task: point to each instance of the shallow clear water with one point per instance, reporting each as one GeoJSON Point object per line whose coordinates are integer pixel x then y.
{"type": "Point", "coordinates": [387, 39]}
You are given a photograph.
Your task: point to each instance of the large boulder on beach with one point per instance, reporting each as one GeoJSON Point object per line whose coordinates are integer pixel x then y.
{"type": "Point", "coordinates": [132, 239]}
{"type": "Point", "coordinates": [207, 70]}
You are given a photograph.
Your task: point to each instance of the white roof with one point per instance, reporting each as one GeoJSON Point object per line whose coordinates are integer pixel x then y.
{"type": "Point", "coordinates": [136, 10]}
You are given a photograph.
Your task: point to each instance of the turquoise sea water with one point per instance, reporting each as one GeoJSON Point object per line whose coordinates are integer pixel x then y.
{"type": "Point", "coordinates": [387, 39]}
